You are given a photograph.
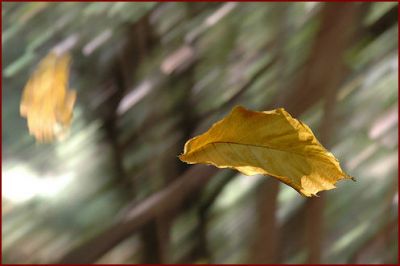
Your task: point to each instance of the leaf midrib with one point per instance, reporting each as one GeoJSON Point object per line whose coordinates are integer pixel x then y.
{"type": "Point", "coordinates": [254, 145]}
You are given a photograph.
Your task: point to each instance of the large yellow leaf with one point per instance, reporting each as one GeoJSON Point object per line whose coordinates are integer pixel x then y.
{"type": "Point", "coordinates": [270, 143]}
{"type": "Point", "coordinates": [46, 101]}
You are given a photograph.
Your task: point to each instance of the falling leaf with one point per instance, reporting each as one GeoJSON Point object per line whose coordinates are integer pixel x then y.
{"type": "Point", "coordinates": [46, 103]}
{"type": "Point", "coordinates": [269, 143]}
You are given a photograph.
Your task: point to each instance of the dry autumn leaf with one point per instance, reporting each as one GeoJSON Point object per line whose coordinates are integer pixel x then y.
{"type": "Point", "coordinates": [270, 143]}
{"type": "Point", "coordinates": [46, 101]}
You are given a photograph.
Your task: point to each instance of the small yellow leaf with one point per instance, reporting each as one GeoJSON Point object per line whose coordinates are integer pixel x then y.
{"type": "Point", "coordinates": [46, 101]}
{"type": "Point", "coordinates": [270, 143]}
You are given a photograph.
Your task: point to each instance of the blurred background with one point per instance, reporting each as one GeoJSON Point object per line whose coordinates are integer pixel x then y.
{"type": "Point", "coordinates": [149, 76]}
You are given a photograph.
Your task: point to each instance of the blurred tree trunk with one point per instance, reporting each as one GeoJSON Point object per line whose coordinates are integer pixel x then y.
{"type": "Point", "coordinates": [264, 247]}
{"type": "Point", "coordinates": [156, 237]}
{"type": "Point", "coordinates": [325, 72]}
{"type": "Point", "coordinates": [156, 234]}
{"type": "Point", "coordinates": [325, 65]}
{"type": "Point", "coordinates": [311, 215]}
{"type": "Point", "coordinates": [140, 40]}
{"type": "Point", "coordinates": [321, 76]}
